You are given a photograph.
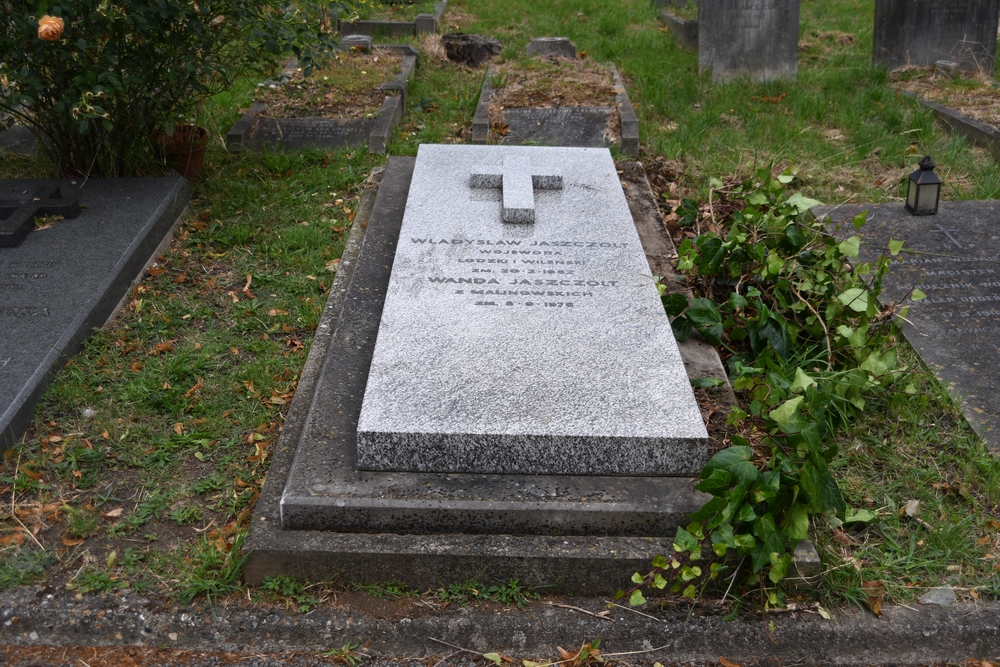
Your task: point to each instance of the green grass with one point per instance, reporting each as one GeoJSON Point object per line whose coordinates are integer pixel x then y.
{"type": "Point", "coordinates": [190, 382]}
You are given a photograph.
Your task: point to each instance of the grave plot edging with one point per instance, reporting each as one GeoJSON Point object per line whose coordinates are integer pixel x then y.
{"type": "Point", "coordinates": [977, 132]}
{"type": "Point", "coordinates": [422, 24]}
{"type": "Point", "coordinates": [239, 136]}
{"type": "Point", "coordinates": [685, 31]}
{"type": "Point", "coordinates": [626, 113]}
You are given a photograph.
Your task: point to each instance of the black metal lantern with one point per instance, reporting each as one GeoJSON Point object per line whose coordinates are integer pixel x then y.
{"type": "Point", "coordinates": [923, 189]}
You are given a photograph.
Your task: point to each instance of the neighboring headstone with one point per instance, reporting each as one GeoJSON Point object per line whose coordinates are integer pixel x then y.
{"type": "Point", "coordinates": [551, 46]}
{"type": "Point", "coordinates": [64, 281]}
{"type": "Point", "coordinates": [471, 50]}
{"type": "Point", "coordinates": [921, 32]}
{"type": "Point", "coordinates": [359, 42]}
{"type": "Point", "coordinates": [758, 39]}
{"type": "Point", "coordinates": [19, 140]}
{"type": "Point", "coordinates": [954, 258]}
{"type": "Point", "coordinates": [685, 31]}
{"type": "Point", "coordinates": [527, 349]}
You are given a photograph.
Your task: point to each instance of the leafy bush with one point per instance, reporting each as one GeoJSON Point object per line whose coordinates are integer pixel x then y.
{"type": "Point", "coordinates": [122, 71]}
{"type": "Point", "coordinates": [808, 346]}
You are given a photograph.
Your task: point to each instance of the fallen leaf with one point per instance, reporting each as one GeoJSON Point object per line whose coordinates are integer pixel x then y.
{"type": "Point", "coordinates": [181, 278]}
{"type": "Point", "coordinates": [874, 591]}
{"type": "Point", "coordinates": [179, 428]}
{"type": "Point", "coordinates": [113, 514]}
{"type": "Point", "coordinates": [72, 542]}
{"type": "Point", "coordinates": [728, 663]}
{"type": "Point", "coordinates": [197, 385]}
{"type": "Point", "coordinates": [155, 272]}
{"type": "Point", "coordinates": [14, 538]}
{"type": "Point", "coordinates": [333, 265]}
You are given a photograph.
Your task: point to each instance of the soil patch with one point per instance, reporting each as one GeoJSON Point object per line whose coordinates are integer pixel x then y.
{"type": "Point", "coordinates": [972, 96]}
{"type": "Point", "coordinates": [348, 87]}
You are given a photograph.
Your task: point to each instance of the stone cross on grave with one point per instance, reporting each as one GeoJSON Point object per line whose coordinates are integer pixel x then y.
{"type": "Point", "coordinates": [517, 180]}
{"type": "Point", "coordinates": [947, 232]}
{"type": "Point", "coordinates": [18, 218]}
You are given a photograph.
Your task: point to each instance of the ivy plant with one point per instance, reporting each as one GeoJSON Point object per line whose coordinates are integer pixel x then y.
{"type": "Point", "coordinates": [797, 318]}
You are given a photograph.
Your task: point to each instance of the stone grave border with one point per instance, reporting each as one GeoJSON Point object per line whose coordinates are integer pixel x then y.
{"type": "Point", "coordinates": [685, 31]}
{"type": "Point", "coordinates": [576, 564]}
{"type": "Point", "coordinates": [389, 115]}
{"type": "Point", "coordinates": [978, 132]}
{"type": "Point", "coordinates": [629, 121]}
{"type": "Point", "coordinates": [422, 24]}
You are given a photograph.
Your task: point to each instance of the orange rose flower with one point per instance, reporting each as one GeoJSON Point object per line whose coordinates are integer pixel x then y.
{"type": "Point", "coordinates": [50, 28]}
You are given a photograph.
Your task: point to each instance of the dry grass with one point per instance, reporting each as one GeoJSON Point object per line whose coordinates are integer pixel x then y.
{"type": "Point", "coordinates": [971, 94]}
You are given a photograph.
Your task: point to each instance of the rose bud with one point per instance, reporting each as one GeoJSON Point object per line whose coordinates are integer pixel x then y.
{"type": "Point", "coordinates": [50, 28]}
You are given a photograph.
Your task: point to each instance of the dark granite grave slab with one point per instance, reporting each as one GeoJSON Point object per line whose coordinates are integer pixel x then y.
{"type": "Point", "coordinates": [758, 39]}
{"type": "Point", "coordinates": [254, 131]}
{"type": "Point", "coordinates": [954, 258]}
{"type": "Point", "coordinates": [920, 32]}
{"type": "Point", "coordinates": [62, 282]}
{"type": "Point", "coordinates": [421, 25]}
{"type": "Point", "coordinates": [561, 126]}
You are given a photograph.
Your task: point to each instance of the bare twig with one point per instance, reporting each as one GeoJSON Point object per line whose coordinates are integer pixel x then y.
{"type": "Point", "coordinates": [460, 649]}
{"type": "Point", "coordinates": [650, 650]}
{"type": "Point", "coordinates": [582, 611]}
{"type": "Point", "coordinates": [450, 655]}
{"type": "Point", "coordinates": [634, 611]}
{"type": "Point", "coordinates": [826, 332]}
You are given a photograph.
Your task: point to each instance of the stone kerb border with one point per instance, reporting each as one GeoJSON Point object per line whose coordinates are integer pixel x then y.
{"type": "Point", "coordinates": [975, 131]}
{"type": "Point", "coordinates": [626, 113]}
{"type": "Point", "coordinates": [423, 24]}
{"type": "Point", "coordinates": [239, 136]}
{"type": "Point", "coordinates": [685, 31]}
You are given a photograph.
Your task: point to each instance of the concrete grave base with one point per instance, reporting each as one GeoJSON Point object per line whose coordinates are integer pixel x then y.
{"type": "Point", "coordinates": [337, 528]}
{"type": "Point", "coordinates": [62, 282]}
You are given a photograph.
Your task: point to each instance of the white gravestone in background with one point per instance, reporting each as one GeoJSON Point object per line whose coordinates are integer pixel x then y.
{"type": "Point", "coordinates": [525, 348]}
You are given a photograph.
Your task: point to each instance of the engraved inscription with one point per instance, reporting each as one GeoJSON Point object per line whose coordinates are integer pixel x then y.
{"type": "Point", "coordinates": [24, 311]}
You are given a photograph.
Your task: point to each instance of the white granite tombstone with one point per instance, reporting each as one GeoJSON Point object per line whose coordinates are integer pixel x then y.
{"type": "Point", "coordinates": [537, 348]}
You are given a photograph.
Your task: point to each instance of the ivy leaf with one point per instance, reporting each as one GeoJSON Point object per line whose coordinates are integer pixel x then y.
{"type": "Point", "coordinates": [801, 381]}
{"type": "Point", "coordinates": [851, 246]}
{"type": "Point", "coordinates": [801, 202]}
{"type": "Point", "coordinates": [707, 382]}
{"type": "Point", "coordinates": [917, 295]}
{"type": "Point", "coordinates": [494, 658]}
{"type": "Point", "coordinates": [798, 522]}
{"type": "Point", "coordinates": [895, 247]}
{"type": "Point", "coordinates": [712, 254]}
{"type": "Point", "coordinates": [674, 304]}
{"type": "Point", "coordinates": [787, 415]}
{"type": "Point", "coordinates": [779, 566]}
{"type": "Point", "coordinates": [737, 461]}
{"type": "Point", "coordinates": [706, 319]}
{"type": "Point", "coordinates": [682, 328]}
{"type": "Point", "coordinates": [636, 599]}
{"type": "Point", "coordinates": [860, 516]}
{"type": "Point", "coordinates": [855, 298]}
{"type": "Point", "coordinates": [636, 578]}
{"type": "Point", "coordinates": [684, 541]}
{"type": "Point", "coordinates": [716, 483]}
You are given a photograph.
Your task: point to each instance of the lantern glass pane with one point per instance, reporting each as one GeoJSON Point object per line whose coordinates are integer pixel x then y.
{"type": "Point", "coordinates": [927, 199]}
{"type": "Point", "coordinates": [911, 194]}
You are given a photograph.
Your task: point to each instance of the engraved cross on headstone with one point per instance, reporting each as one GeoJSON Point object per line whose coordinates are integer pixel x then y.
{"type": "Point", "coordinates": [517, 180]}
{"type": "Point", "coordinates": [17, 218]}
{"type": "Point", "coordinates": [947, 232]}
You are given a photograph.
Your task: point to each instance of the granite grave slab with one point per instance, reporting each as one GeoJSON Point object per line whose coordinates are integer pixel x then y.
{"type": "Point", "coordinates": [62, 282]}
{"type": "Point", "coordinates": [255, 131]}
{"type": "Point", "coordinates": [758, 39]}
{"type": "Point", "coordinates": [561, 126]}
{"type": "Point", "coordinates": [325, 490]}
{"type": "Point", "coordinates": [532, 349]}
{"type": "Point", "coordinates": [954, 258]}
{"type": "Point", "coordinates": [921, 32]}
